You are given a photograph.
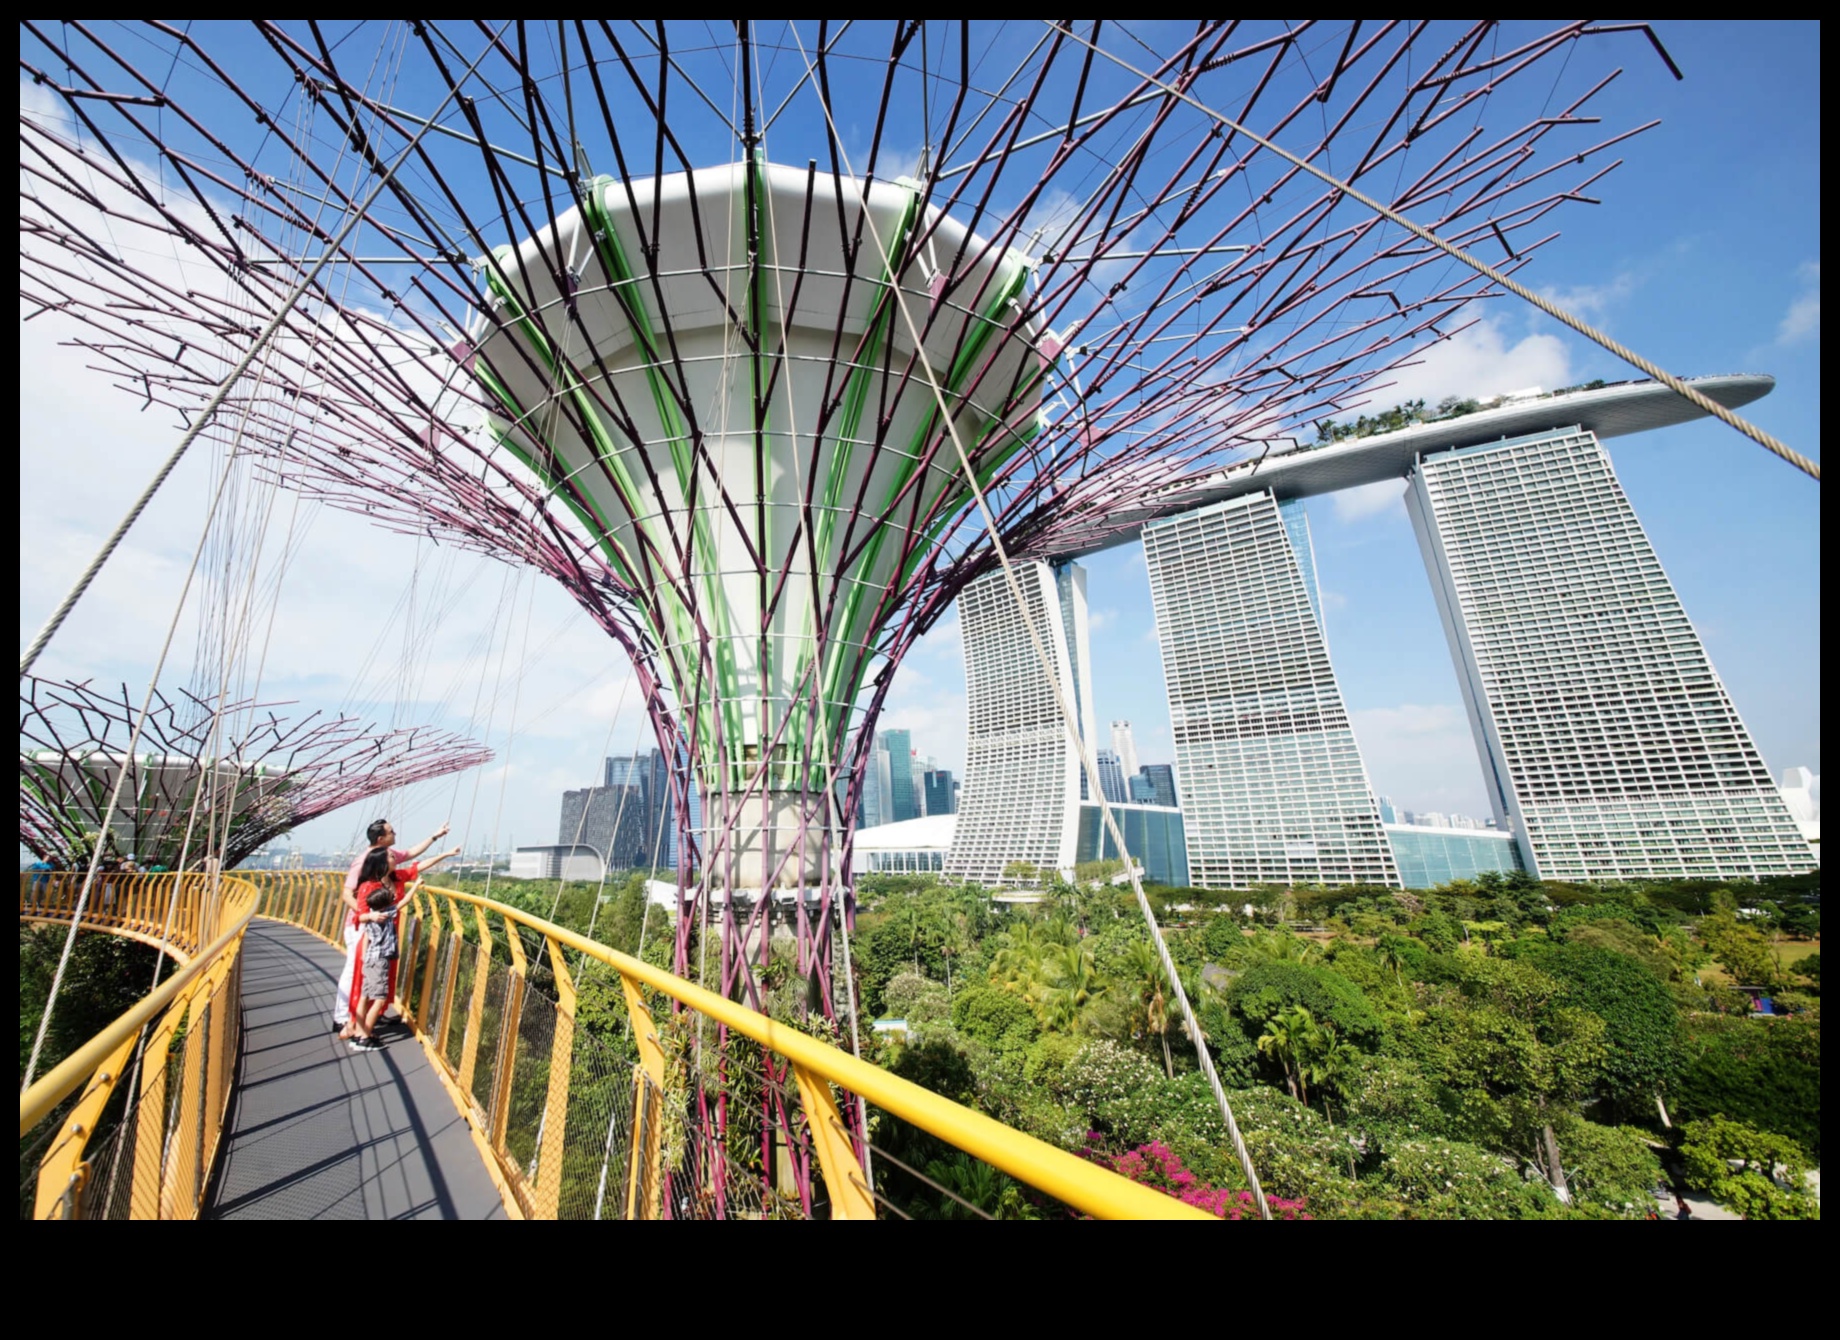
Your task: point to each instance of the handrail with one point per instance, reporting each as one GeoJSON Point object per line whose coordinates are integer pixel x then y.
{"type": "Point", "coordinates": [1084, 1186]}
{"type": "Point", "coordinates": [61, 1080]}
{"type": "Point", "coordinates": [179, 1042]}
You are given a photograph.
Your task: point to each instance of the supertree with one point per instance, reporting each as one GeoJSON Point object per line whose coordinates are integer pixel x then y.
{"type": "Point", "coordinates": [192, 790]}
{"type": "Point", "coordinates": [737, 332]}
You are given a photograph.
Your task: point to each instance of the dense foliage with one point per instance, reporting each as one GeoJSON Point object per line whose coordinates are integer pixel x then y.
{"type": "Point", "coordinates": [1495, 1049]}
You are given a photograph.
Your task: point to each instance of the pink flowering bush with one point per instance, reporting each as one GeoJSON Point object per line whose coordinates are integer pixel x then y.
{"type": "Point", "coordinates": [1157, 1166]}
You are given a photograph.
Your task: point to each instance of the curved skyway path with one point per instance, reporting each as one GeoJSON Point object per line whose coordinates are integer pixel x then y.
{"type": "Point", "coordinates": [317, 1131]}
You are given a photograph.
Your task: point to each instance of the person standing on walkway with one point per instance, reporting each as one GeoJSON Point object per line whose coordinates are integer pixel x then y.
{"type": "Point", "coordinates": [381, 836]}
{"type": "Point", "coordinates": [380, 878]}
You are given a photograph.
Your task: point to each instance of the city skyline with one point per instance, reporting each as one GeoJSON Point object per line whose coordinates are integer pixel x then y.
{"type": "Point", "coordinates": [1704, 281]}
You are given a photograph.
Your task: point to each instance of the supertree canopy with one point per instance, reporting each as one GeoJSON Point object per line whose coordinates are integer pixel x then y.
{"type": "Point", "coordinates": [725, 327]}
{"type": "Point", "coordinates": [192, 789]}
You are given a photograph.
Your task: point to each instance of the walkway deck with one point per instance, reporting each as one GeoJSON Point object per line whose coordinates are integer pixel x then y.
{"type": "Point", "coordinates": [316, 1131]}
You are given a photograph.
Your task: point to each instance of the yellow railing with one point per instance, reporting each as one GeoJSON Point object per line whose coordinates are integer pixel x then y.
{"type": "Point", "coordinates": [521, 1072]}
{"type": "Point", "coordinates": [571, 1124]}
{"type": "Point", "coordinates": [157, 1081]}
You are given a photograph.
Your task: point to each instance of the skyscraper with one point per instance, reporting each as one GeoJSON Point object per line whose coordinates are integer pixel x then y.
{"type": "Point", "coordinates": [1111, 778]}
{"type": "Point", "coordinates": [1125, 747]}
{"type": "Point", "coordinates": [1021, 795]}
{"type": "Point", "coordinates": [1143, 790]}
{"type": "Point", "coordinates": [903, 796]}
{"type": "Point", "coordinates": [1273, 787]}
{"type": "Point", "coordinates": [1162, 778]}
{"type": "Point", "coordinates": [1608, 741]}
{"type": "Point", "coordinates": [941, 792]}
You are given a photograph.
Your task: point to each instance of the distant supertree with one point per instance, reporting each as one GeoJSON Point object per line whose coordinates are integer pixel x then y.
{"type": "Point", "coordinates": [719, 327]}
{"type": "Point", "coordinates": [266, 776]}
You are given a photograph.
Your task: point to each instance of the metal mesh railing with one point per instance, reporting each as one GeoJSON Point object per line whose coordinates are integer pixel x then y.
{"type": "Point", "coordinates": [127, 1126]}
{"type": "Point", "coordinates": [683, 1105]}
{"type": "Point", "coordinates": [686, 1105]}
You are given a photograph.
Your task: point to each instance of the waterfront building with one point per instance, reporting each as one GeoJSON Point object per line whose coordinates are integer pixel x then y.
{"type": "Point", "coordinates": [1609, 744]}
{"type": "Point", "coordinates": [1273, 787]}
{"type": "Point", "coordinates": [1162, 779]}
{"type": "Point", "coordinates": [1428, 857]}
{"type": "Point", "coordinates": [1111, 778]}
{"type": "Point", "coordinates": [1152, 835]}
{"type": "Point", "coordinates": [1022, 773]}
{"type": "Point", "coordinates": [911, 847]}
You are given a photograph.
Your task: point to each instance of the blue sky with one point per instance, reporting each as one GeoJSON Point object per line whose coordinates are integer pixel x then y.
{"type": "Point", "coordinates": [1705, 255]}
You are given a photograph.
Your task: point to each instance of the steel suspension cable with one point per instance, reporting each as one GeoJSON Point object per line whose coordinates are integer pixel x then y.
{"type": "Point", "coordinates": [1068, 716]}
{"type": "Point", "coordinates": [211, 406]}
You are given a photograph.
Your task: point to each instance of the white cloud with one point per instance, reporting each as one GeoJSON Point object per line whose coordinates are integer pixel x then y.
{"type": "Point", "coordinates": [1365, 500]}
{"type": "Point", "coordinates": [1594, 302]}
{"type": "Point", "coordinates": [1802, 322]}
{"type": "Point", "coordinates": [1480, 362]}
{"type": "Point", "coordinates": [1100, 618]}
{"type": "Point", "coordinates": [1423, 756]}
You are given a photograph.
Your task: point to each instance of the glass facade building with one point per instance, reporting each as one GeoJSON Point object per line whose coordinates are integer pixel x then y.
{"type": "Point", "coordinates": [1162, 779]}
{"type": "Point", "coordinates": [1428, 857]}
{"type": "Point", "coordinates": [1021, 793]}
{"type": "Point", "coordinates": [1272, 784]}
{"type": "Point", "coordinates": [1153, 836]}
{"type": "Point", "coordinates": [1609, 745]}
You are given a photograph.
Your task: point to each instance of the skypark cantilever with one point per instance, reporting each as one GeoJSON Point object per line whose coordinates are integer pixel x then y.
{"type": "Point", "coordinates": [1305, 471]}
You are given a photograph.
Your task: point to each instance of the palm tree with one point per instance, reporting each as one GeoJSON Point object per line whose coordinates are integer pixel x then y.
{"type": "Point", "coordinates": [1070, 983]}
{"type": "Point", "coordinates": [1152, 996]}
{"type": "Point", "coordinates": [1293, 1036]}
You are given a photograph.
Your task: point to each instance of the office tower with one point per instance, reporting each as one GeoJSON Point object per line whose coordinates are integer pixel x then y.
{"type": "Point", "coordinates": [1022, 774]}
{"type": "Point", "coordinates": [1273, 787]}
{"type": "Point", "coordinates": [941, 792]}
{"type": "Point", "coordinates": [1143, 790]}
{"type": "Point", "coordinates": [1070, 592]}
{"type": "Point", "coordinates": [1388, 815]}
{"type": "Point", "coordinates": [611, 820]}
{"type": "Point", "coordinates": [877, 807]}
{"type": "Point", "coordinates": [1111, 778]}
{"type": "Point", "coordinates": [903, 800]}
{"type": "Point", "coordinates": [1608, 741]}
{"type": "Point", "coordinates": [1163, 778]}
{"type": "Point", "coordinates": [1125, 747]}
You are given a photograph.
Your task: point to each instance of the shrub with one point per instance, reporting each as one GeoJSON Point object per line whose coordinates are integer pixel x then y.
{"type": "Point", "coordinates": [1103, 1077]}
{"type": "Point", "coordinates": [1611, 1168]}
{"type": "Point", "coordinates": [1761, 1071]}
{"type": "Point", "coordinates": [1639, 1017]}
{"type": "Point", "coordinates": [1447, 1179]}
{"type": "Point", "coordinates": [1157, 1166]}
{"type": "Point", "coordinates": [1767, 1181]}
{"type": "Point", "coordinates": [1266, 988]}
{"type": "Point", "coordinates": [996, 1018]}
{"type": "Point", "coordinates": [917, 999]}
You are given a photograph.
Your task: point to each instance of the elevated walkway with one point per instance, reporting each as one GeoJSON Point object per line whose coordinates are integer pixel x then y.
{"type": "Point", "coordinates": [316, 1131]}
{"type": "Point", "coordinates": [224, 1094]}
